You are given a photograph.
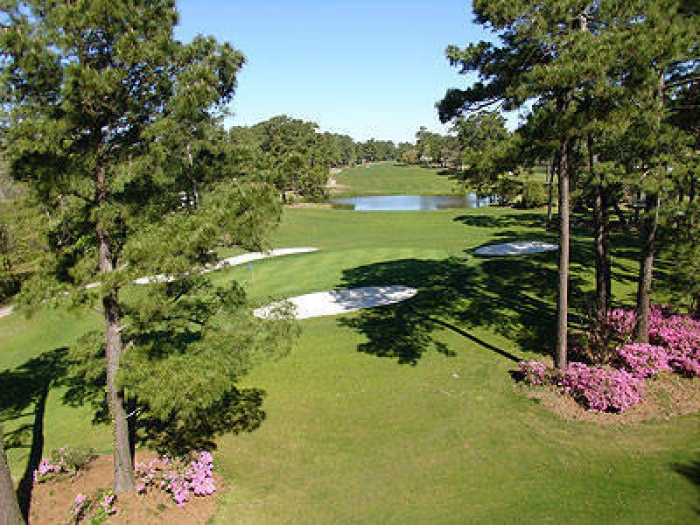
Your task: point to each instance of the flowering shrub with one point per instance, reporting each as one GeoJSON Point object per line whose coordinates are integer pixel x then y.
{"type": "Point", "coordinates": [644, 360]}
{"type": "Point", "coordinates": [599, 343]}
{"type": "Point", "coordinates": [602, 389]}
{"type": "Point", "coordinates": [178, 477]}
{"type": "Point", "coordinates": [680, 335]}
{"type": "Point", "coordinates": [534, 372]}
{"type": "Point", "coordinates": [622, 322]}
{"type": "Point", "coordinates": [63, 460]}
{"type": "Point", "coordinates": [675, 345]}
{"type": "Point", "coordinates": [92, 508]}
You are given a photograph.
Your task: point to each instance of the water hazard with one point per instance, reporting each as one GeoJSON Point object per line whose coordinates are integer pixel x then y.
{"type": "Point", "coordinates": [411, 202]}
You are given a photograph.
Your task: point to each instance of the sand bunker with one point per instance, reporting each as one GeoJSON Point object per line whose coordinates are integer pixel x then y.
{"type": "Point", "coordinates": [231, 261]}
{"type": "Point", "coordinates": [337, 302]}
{"type": "Point", "coordinates": [225, 263]}
{"type": "Point", "coordinates": [516, 248]}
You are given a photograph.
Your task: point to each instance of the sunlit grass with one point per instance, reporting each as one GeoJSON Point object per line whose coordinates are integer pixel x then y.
{"type": "Point", "coordinates": [353, 436]}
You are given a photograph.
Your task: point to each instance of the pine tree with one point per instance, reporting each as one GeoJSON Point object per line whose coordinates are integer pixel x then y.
{"type": "Point", "coordinates": [536, 60]}
{"type": "Point", "coordinates": [100, 99]}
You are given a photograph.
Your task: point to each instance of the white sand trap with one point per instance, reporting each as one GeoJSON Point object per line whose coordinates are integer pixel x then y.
{"type": "Point", "coordinates": [516, 248]}
{"type": "Point", "coordinates": [337, 302]}
{"type": "Point", "coordinates": [5, 311]}
{"type": "Point", "coordinates": [231, 261]}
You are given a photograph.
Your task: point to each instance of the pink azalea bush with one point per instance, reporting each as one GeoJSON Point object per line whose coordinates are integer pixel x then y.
{"type": "Point", "coordinates": [680, 335]}
{"type": "Point", "coordinates": [63, 461]}
{"type": "Point", "coordinates": [622, 322]}
{"type": "Point", "coordinates": [178, 477]}
{"type": "Point", "coordinates": [534, 372]}
{"type": "Point", "coordinates": [602, 388]}
{"type": "Point", "coordinates": [674, 345]}
{"type": "Point", "coordinates": [93, 508]}
{"type": "Point", "coordinates": [644, 360]}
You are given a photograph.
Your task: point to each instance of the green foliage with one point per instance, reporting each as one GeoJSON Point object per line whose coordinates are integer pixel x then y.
{"type": "Point", "coordinates": [21, 244]}
{"type": "Point", "coordinates": [534, 194]}
{"type": "Point", "coordinates": [114, 126]}
{"type": "Point", "coordinates": [333, 411]}
{"type": "Point", "coordinates": [65, 460]}
{"type": "Point", "coordinates": [92, 508]}
{"type": "Point", "coordinates": [377, 150]}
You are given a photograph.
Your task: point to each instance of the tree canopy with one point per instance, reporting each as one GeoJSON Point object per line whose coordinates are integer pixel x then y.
{"type": "Point", "coordinates": [111, 123]}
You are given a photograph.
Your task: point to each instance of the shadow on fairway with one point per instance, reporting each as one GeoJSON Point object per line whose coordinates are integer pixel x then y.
{"type": "Point", "coordinates": [511, 220]}
{"type": "Point", "coordinates": [513, 297]}
{"type": "Point", "coordinates": [23, 388]}
{"type": "Point", "coordinates": [692, 472]}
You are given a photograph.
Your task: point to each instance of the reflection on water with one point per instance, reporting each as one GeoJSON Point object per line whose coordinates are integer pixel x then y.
{"type": "Point", "coordinates": [411, 202]}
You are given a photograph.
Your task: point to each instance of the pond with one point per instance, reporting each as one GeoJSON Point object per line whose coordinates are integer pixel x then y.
{"type": "Point", "coordinates": [411, 202]}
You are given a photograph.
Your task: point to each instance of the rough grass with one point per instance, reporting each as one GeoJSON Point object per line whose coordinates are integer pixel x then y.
{"type": "Point", "coordinates": [407, 413]}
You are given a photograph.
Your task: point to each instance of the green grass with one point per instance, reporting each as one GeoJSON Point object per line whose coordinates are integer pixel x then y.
{"type": "Point", "coordinates": [385, 416]}
{"type": "Point", "coordinates": [384, 178]}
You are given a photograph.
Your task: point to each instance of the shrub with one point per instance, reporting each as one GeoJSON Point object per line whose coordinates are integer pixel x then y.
{"type": "Point", "coordinates": [644, 360]}
{"type": "Point", "coordinates": [602, 389]}
{"type": "Point", "coordinates": [63, 461]}
{"type": "Point", "coordinates": [534, 194]}
{"type": "Point", "coordinates": [600, 342]}
{"type": "Point", "coordinates": [178, 477]}
{"type": "Point", "coordinates": [680, 335]}
{"type": "Point", "coordinates": [93, 508]}
{"type": "Point", "coordinates": [534, 372]}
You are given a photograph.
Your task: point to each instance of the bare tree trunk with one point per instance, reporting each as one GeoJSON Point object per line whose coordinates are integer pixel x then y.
{"type": "Point", "coordinates": [601, 237]}
{"type": "Point", "coordinates": [650, 227]}
{"type": "Point", "coordinates": [9, 508]}
{"type": "Point", "coordinates": [561, 350]}
{"type": "Point", "coordinates": [193, 179]}
{"type": "Point", "coordinates": [621, 216]}
{"type": "Point", "coordinates": [553, 170]}
{"type": "Point", "coordinates": [123, 464]}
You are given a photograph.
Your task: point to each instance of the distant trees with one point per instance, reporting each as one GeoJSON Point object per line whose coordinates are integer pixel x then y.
{"type": "Point", "coordinates": [604, 83]}
{"type": "Point", "coordinates": [296, 157]}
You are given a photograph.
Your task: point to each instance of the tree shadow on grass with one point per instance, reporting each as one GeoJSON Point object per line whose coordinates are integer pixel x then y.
{"type": "Point", "coordinates": [513, 297]}
{"type": "Point", "coordinates": [22, 389]}
{"type": "Point", "coordinates": [510, 220]}
{"type": "Point", "coordinates": [692, 472]}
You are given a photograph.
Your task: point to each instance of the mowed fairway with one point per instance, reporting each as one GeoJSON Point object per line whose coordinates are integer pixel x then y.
{"type": "Point", "coordinates": [408, 413]}
{"type": "Point", "coordinates": [384, 178]}
{"type": "Point", "coordinates": [386, 417]}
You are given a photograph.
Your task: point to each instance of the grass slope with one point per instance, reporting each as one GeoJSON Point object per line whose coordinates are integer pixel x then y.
{"type": "Point", "coordinates": [385, 178]}
{"type": "Point", "coordinates": [407, 413]}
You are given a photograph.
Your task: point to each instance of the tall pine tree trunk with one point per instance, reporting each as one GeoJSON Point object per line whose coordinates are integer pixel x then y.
{"type": "Point", "coordinates": [601, 238]}
{"type": "Point", "coordinates": [9, 508]}
{"type": "Point", "coordinates": [650, 227]}
{"type": "Point", "coordinates": [553, 172]}
{"type": "Point", "coordinates": [561, 350]}
{"type": "Point", "coordinates": [123, 463]}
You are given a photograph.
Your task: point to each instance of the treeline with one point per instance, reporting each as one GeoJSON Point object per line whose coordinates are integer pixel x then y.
{"type": "Point", "coordinates": [290, 154]}
{"type": "Point", "coordinates": [294, 156]}
{"type": "Point", "coordinates": [611, 91]}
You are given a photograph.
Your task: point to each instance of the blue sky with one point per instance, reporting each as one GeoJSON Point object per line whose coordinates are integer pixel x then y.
{"type": "Point", "coordinates": [367, 68]}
